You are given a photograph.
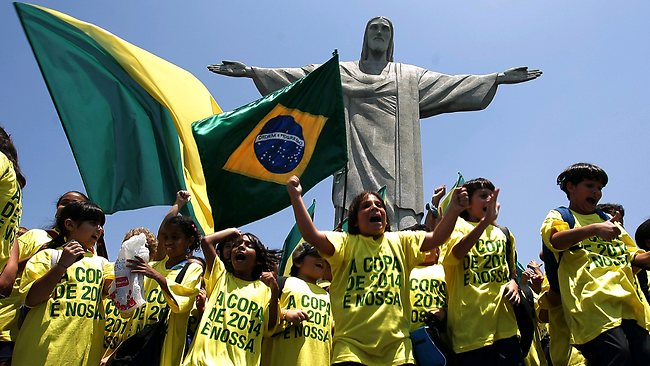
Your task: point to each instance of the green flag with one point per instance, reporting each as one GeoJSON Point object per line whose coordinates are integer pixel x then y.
{"type": "Point", "coordinates": [127, 113]}
{"type": "Point", "coordinates": [290, 243]}
{"type": "Point", "coordinates": [250, 153]}
{"type": "Point", "coordinates": [382, 194]}
{"type": "Point", "coordinates": [447, 200]}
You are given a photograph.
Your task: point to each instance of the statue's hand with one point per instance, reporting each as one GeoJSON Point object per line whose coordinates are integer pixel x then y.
{"type": "Point", "coordinates": [231, 68]}
{"type": "Point", "coordinates": [517, 75]}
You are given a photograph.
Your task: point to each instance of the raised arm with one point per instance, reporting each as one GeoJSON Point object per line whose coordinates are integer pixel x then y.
{"type": "Point", "coordinates": [565, 239]}
{"type": "Point", "coordinates": [9, 273]}
{"type": "Point", "coordinates": [517, 75]}
{"type": "Point", "coordinates": [442, 232]}
{"type": "Point", "coordinates": [466, 243]}
{"type": "Point", "coordinates": [182, 198]}
{"type": "Point", "coordinates": [433, 215]}
{"type": "Point", "coordinates": [307, 228]}
{"type": "Point", "coordinates": [209, 242]}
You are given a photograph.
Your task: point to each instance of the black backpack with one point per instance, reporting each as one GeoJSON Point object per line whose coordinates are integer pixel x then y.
{"type": "Point", "coordinates": [144, 347]}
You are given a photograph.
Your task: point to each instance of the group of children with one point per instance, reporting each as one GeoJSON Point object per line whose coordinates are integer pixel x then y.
{"type": "Point", "coordinates": [352, 297]}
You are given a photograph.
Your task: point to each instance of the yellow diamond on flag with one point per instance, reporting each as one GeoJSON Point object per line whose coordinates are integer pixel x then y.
{"type": "Point", "coordinates": [280, 146]}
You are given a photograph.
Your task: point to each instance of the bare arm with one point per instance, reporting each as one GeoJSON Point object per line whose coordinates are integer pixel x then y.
{"type": "Point", "coordinates": [182, 198]}
{"type": "Point", "coordinates": [269, 279]}
{"type": "Point", "coordinates": [466, 243]}
{"type": "Point", "coordinates": [138, 265]}
{"type": "Point", "coordinates": [433, 215]}
{"type": "Point", "coordinates": [209, 242]}
{"type": "Point", "coordinates": [442, 231]}
{"type": "Point", "coordinates": [42, 288]}
{"type": "Point", "coordinates": [565, 239]}
{"type": "Point", "coordinates": [307, 228]}
{"type": "Point", "coordinates": [9, 273]}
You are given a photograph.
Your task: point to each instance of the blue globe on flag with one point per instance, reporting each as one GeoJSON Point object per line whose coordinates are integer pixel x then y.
{"type": "Point", "coordinates": [280, 145]}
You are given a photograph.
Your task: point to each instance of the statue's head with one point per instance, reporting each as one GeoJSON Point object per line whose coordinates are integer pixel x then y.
{"type": "Point", "coordinates": [378, 37]}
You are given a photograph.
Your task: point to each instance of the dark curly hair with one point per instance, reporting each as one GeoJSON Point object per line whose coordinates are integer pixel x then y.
{"type": "Point", "coordinates": [355, 207]}
{"type": "Point", "coordinates": [189, 228]}
{"type": "Point", "coordinates": [578, 172]}
{"type": "Point", "coordinates": [265, 259]}
{"type": "Point", "coordinates": [7, 147]}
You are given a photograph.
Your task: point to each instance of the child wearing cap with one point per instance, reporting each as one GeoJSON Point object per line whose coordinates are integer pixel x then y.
{"type": "Point", "coordinates": [304, 336]}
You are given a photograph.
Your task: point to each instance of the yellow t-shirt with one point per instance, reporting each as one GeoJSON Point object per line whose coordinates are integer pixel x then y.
{"type": "Point", "coordinates": [428, 291]}
{"type": "Point", "coordinates": [234, 321]}
{"type": "Point", "coordinates": [68, 328]}
{"type": "Point", "coordinates": [29, 243]}
{"type": "Point", "coordinates": [184, 295]}
{"type": "Point", "coordinates": [308, 343]}
{"type": "Point", "coordinates": [114, 327]}
{"type": "Point", "coordinates": [560, 348]}
{"type": "Point", "coordinates": [480, 276]}
{"type": "Point", "coordinates": [597, 286]}
{"type": "Point", "coordinates": [11, 208]}
{"type": "Point", "coordinates": [370, 296]}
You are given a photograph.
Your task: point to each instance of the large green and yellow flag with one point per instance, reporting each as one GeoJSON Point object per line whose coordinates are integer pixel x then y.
{"type": "Point", "coordinates": [249, 154]}
{"type": "Point", "coordinates": [127, 113]}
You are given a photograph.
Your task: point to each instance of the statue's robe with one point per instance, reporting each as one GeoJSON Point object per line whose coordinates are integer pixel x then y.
{"type": "Point", "coordinates": [383, 127]}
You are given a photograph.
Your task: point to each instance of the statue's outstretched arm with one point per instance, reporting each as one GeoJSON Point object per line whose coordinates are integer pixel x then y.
{"type": "Point", "coordinates": [517, 75]}
{"type": "Point", "coordinates": [232, 68]}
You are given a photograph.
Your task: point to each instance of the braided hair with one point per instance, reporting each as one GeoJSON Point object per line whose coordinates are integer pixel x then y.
{"type": "Point", "coordinates": [189, 229]}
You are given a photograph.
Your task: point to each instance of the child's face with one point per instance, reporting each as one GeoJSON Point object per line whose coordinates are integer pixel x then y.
{"type": "Point", "coordinates": [174, 241]}
{"type": "Point", "coordinates": [372, 216]}
{"type": "Point", "coordinates": [478, 204]}
{"type": "Point", "coordinates": [85, 232]}
{"type": "Point", "coordinates": [67, 198]}
{"type": "Point", "coordinates": [584, 196]}
{"type": "Point", "coordinates": [311, 268]}
{"type": "Point", "coordinates": [243, 258]}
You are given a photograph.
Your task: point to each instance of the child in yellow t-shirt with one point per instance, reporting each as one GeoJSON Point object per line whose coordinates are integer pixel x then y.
{"type": "Point", "coordinates": [64, 286]}
{"type": "Point", "coordinates": [370, 269]}
{"type": "Point", "coordinates": [606, 314]}
{"type": "Point", "coordinates": [179, 236]}
{"type": "Point", "coordinates": [484, 329]}
{"type": "Point", "coordinates": [305, 333]}
{"type": "Point", "coordinates": [242, 305]}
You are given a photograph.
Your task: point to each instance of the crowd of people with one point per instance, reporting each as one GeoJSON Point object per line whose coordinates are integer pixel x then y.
{"type": "Point", "coordinates": [353, 295]}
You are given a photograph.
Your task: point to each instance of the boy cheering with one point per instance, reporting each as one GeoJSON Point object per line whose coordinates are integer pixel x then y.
{"type": "Point", "coordinates": [606, 316]}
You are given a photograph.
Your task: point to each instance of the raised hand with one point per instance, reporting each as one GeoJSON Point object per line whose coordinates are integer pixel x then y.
{"type": "Point", "coordinates": [459, 200]}
{"type": "Point", "coordinates": [492, 211]}
{"type": "Point", "coordinates": [293, 187]}
{"type": "Point", "coordinates": [231, 68]}
{"type": "Point", "coordinates": [138, 265]}
{"type": "Point", "coordinates": [182, 198]}
{"type": "Point", "coordinates": [438, 193]}
{"type": "Point", "coordinates": [517, 75]}
{"type": "Point", "coordinates": [71, 252]}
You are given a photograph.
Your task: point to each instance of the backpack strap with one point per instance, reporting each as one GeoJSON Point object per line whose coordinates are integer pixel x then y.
{"type": "Point", "coordinates": [181, 274]}
{"type": "Point", "coordinates": [282, 280]}
{"type": "Point", "coordinates": [511, 254]}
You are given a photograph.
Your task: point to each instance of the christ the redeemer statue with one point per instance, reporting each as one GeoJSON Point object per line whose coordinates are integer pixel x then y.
{"type": "Point", "coordinates": [384, 102]}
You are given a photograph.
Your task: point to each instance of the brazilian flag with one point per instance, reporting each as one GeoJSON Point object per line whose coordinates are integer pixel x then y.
{"type": "Point", "coordinates": [127, 113]}
{"type": "Point", "coordinates": [250, 153]}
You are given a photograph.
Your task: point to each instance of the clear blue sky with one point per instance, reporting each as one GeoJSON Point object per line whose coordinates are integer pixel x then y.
{"type": "Point", "coordinates": [588, 106]}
